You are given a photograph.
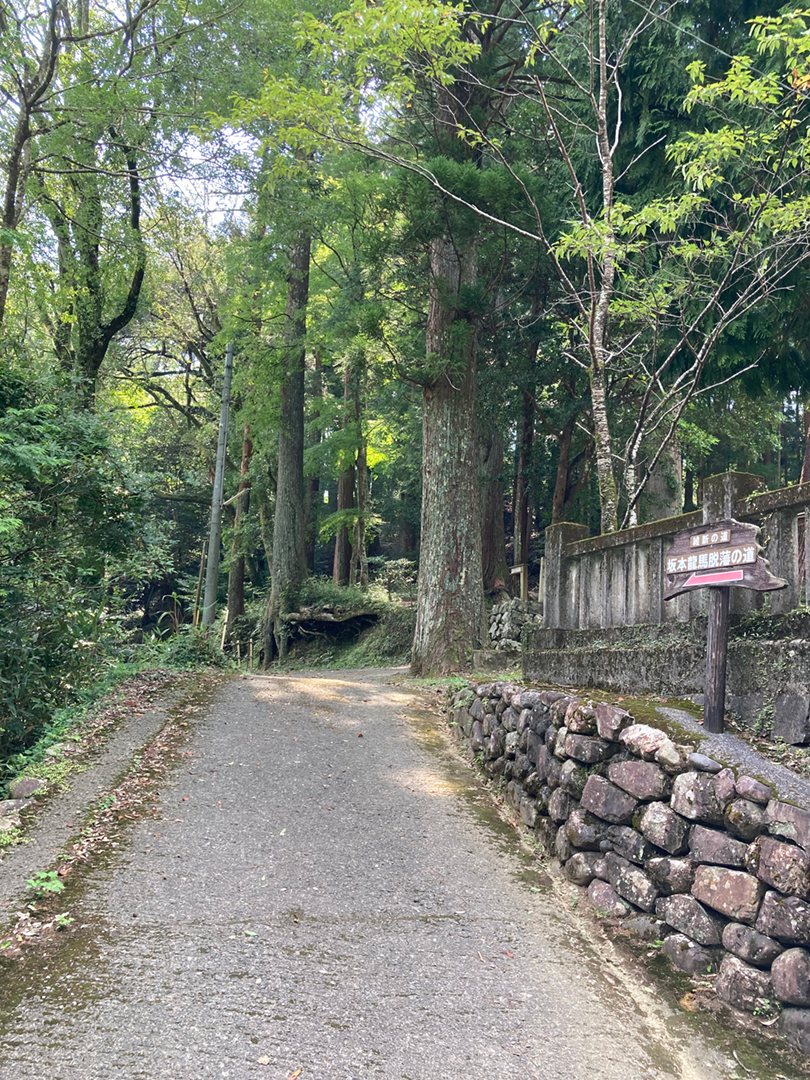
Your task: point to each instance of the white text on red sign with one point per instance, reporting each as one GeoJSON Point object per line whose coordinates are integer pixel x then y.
{"type": "Point", "coordinates": [707, 560]}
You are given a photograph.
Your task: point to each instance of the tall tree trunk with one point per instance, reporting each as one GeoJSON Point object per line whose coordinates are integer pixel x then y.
{"type": "Point", "coordinates": [313, 480]}
{"type": "Point", "coordinates": [289, 557]}
{"type": "Point", "coordinates": [522, 481]}
{"type": "Point", "coordinates": [236, 577]}
{"type": "Point", "coordinates": [359, 552]}
{"type": "Point", "coordinates": [493, 535]}
{"type": "Point", "coordinates": [805, 473]}
{"type": "Point", "coordinates": [341, 567]}
{"type": "Point", "coordinates": [450, 599]}
{"type": "Point", "coordinates": [559, 500]}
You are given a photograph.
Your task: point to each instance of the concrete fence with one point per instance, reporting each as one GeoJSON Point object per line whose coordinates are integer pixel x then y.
{"type": "Point", "coordinates": [617, 579]}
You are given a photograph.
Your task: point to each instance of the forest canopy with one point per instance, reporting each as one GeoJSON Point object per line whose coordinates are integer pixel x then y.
{"type": "Point", "coordinates": [483, 270]}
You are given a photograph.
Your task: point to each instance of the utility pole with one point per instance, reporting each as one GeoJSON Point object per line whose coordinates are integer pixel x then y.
{"type": "Point", "coordinates": [215, 535]}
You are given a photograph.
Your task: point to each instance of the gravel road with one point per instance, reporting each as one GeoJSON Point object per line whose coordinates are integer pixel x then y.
{"type": "Point", "coordinates": [322, 896]}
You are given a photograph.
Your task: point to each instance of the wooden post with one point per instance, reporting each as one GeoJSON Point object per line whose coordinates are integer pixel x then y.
{"type": "Point", "coordinates": [717, 651]}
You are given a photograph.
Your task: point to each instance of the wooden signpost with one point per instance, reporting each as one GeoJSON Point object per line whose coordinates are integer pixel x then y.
{"type": "Point", "coordinates": [717, 556]}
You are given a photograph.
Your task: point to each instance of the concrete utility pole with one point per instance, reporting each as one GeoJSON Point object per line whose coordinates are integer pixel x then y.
{"type": "Point", "coordinates": [215, 535]}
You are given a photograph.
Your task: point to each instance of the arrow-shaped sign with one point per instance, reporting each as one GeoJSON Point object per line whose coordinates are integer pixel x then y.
{"type": "Point", "coordinates": [719, 577]}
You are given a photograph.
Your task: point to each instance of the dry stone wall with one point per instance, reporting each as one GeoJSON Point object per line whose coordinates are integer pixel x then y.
{"type": "Point", "coordinates": [507, 620]}
{"type": "Point", "coordinates": [669, 841]}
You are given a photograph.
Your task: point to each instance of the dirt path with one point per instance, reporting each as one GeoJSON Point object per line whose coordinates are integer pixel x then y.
{"type": "Point", "coordinates": [321, 891]}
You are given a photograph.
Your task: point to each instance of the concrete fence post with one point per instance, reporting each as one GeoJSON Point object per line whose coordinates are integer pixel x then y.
{"type": "Point", "coordinates": [559, 606]}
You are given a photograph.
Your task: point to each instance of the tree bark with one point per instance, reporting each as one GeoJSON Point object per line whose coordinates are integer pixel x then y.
{"type": "Point", "coordinates": [493, 535]}
{"type": "Point", "coordinates": [236, 577]}
{"type": "Point", "coordinates": [450, 598]}
{"type": "Point", "coordinates": [559, 500]}
{"type": "Point", "coordinates": [341, 567]}
{"type": "Point", "coordinates": [313, 480]}
{"type": "Point", "coordinates": [522, 481]}
{"type": "Point", "coordinates": [289, 556]}
{"type": "Point", "coordinates": [359, 552]}
{"type": "Point", "coordinates": [805, 473]}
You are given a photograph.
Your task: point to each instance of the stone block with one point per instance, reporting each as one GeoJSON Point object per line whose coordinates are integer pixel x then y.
{"type": "Point", "coordinates": [673, 758]}
{"type": "Point", "coordinates": [608, 802]}
{"type": "Point", "coordinates": [790, 722]}
{"type": "Point", "coordinates": [671, 875]}
{"type": "Point", "coordinates": [528, 812]}
{"type": "Point", "coordinates": [794, 1026]}
{"type": "Point", "coordinates": [560, 805]}
{"type": "Point", "coordinates": [588, 750]}
{"type": "Point", "coordinates": [531, 699]}
{"type": "Point", "coordinates": [13, 806]}
{"type": "Point", "coordinates": [643, 741]}
{"type": "Point", "coordinates": [477, 710]}
{"type": "Point", "coordinates": [642, 779]}
{"type": "Point", "coordinates": [509, 718]}
{"type": "Point", "coordinates": [731, 892]}
{"type": "Point", "coordinates": [581, 719]}
{"type": "Point", "coordinates": [604, 898]}
{"type": "Point", "coordinates": [716, 848]}
{"type": "Point", "coordinates": [511, 744]}
{"type": "Point", "coordinates": [611, 721]}
{"type": "Point", "coordinates": [646, 927]}
{"type": "Point", "coordinates": [532, 784]}
{"type": "Point", "coordinates": [563, 847]}
{"type": "Point", "coordinates": [749, 788]}
{"type": "Point", "coordinates": [686, 955]}
{"type": "Point", "coordinates": [534, 747]}
{"type": "Point", "coordinates": [25, 787]}
{"type": "Point", "coordinates": [630, 882]}
{"type": "Point", "coordinates": [790, 822]}
{"type": "Point", "coordinates": [784, 866]}
{"type": "Point", "coordinates": [477, 737]}
{"type": "Point", "coordinates": [786, 918]}
{"type": "Point", "coordinates": [748, 989]}
{"type": "Point", "coordinates": [664, 828]}
{"type": "Point", "coordinates": [522, 767]}
{"type": "Point", "coordinates": [554, 773]}
{"type": "Point", "coordinates": [685, 914]}
{"type": "Point", "coordinates": [791, 977]}
{"type": "Point", "coordinates": [542, 763]}
{"type": "Point", "coordinates": [724, 786]}
{"type": "Point", "coordinates": [585, 831]}
{"type": "Point", "coordinates": [629, 844]}
{"type": "Point", "coordinates": [559, 709]}
{"type": "Point", "coordinates": [539, 721]}
{"type": "Point", "coordinates": [559, 744]}
{"type": "Point", "coordinates": [745, 819]}
{"type": "Point", "coordinates": [694, 797]}
{"type": "Point", "coordinates": [705, 764]}
{"type": "Point", "coordinates": [751, 946]}
{"type": "Point", "coordinates": [573, 778]}
{"type": "Point", "coordinates": [580, 867]}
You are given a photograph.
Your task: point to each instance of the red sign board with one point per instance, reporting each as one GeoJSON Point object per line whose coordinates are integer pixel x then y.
{"type": "Point", "coordinates": [723, 553]}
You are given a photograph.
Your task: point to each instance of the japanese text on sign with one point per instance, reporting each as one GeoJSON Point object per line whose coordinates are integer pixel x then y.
{"type": "Point", "coordinates": [721, 536]}
{"type": "Point", "coordinates": [707, 560]}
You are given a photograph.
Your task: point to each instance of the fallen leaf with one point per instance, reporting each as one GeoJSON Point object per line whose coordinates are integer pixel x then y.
{"type": "Point", "coordinates": [295, 1075]}
{"type": "Point", "coordinates": [511, 955]}
{"type": "Point", "coordinates": [360, 736]}
{"type": "Point", "coordinates": [264, 1060]}
{"type": "Point", "coordinates": [689, 1002]}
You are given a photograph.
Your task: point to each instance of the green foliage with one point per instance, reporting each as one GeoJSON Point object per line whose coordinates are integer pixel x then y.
{"type": "Point", "coordinates": [67, 511]}
{"type": "Point", "coordinates": [45, 883]}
